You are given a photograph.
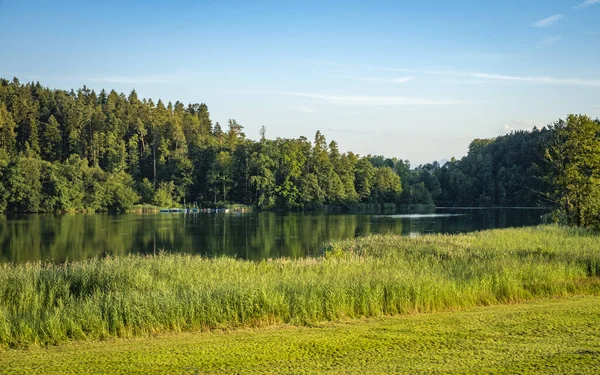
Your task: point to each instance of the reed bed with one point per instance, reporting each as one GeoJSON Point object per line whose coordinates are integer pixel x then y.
{"type": "Point", "coordinates": [43, 304]}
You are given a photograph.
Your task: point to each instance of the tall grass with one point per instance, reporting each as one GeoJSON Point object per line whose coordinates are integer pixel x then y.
{"type": "Point", "coordinates": [371, 276]}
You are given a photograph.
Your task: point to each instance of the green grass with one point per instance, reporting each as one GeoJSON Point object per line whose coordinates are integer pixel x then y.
{"type": "Point", "coordinates": [368, 277]}
{"type": "Point", "coordinates": [552, 336]}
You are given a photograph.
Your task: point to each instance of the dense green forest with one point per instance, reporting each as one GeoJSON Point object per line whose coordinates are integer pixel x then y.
{"type": "Point", "coordinates": [507, 171]}
{"type": "Point", "coordinates": [86, 151]}
{"type": "Point", "coordinates": [82, 150]}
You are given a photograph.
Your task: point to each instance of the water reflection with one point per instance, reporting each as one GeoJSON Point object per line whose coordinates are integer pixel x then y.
{"type": "Point", "coordinates": [252, 236]}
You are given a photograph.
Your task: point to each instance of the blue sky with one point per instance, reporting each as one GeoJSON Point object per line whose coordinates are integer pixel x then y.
{"type": "Point", "coordinates": [416, 80]}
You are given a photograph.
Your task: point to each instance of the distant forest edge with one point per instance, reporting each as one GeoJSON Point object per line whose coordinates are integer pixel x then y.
{"type": "Point", "coordinates": [86, 151]}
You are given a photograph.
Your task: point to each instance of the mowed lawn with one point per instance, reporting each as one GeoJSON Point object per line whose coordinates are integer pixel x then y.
{"type": "Point", "coordinates": [547, 336]}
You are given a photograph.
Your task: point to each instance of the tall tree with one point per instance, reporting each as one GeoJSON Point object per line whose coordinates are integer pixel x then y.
{"type": "Point", "coordinates": [221, 174]}
{"type": "Point", "coordinates": [7, 130]}
{"type": "Point", "coordinates": [573, 153]}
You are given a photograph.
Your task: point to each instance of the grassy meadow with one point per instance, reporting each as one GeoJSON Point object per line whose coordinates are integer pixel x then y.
{"type": "Point", "coordinates": [552, 336]}
{"type": "Point", "coordinates": [42, 304]}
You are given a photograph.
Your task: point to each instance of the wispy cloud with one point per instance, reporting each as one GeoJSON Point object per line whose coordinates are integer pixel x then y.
{"type": "Point", "coordinates": [548, 41]}
{"type": "Point", "coordinates": [452, 76]}
{"type": "Point", "coordinates": [403, 79]}
{"type": "Point", "coordinates": [548, 21]}
{"type": "Point", "coordinates": [375, 100]}
{"type": "Point", "coordinates": [539, 79]}
{"type": "Point", "coordinates": [587, 3]}
{"type": "Point", "coordinates": [479, 78]}
{"type": "Point", "coordinates": [302, 109]}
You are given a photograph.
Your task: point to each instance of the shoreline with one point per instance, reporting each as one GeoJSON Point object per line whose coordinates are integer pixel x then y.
{"type": "Point", "coordinates": [380, 275]}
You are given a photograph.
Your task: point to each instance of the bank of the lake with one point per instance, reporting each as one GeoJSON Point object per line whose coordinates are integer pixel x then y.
{"type": "Point", "coordinates": [549, 336]}
{"type": "Point", "coordinates": [253, 236]}
{"type": "Point", "coordinates": [365, 277]}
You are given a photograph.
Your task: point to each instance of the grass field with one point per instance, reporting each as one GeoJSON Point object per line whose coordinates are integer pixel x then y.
{"type": "Point", "coordinates": [552, 336]}
{"type": "Point", "coordinates": [367, 277]}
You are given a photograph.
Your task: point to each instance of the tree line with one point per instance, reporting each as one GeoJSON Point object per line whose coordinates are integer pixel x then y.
{"type": "Point", "coordinates": [86, 151]}
{"type": "Point", "coordinates": [506, 171]}
{"type": "Point", "coordinates": [557, 166]}
{"type": "Point", "coordinates": [79, 150]}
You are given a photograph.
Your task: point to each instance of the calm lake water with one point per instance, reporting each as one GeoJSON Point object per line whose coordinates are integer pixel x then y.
{"type": "Point", "coordinates": [56, 238]}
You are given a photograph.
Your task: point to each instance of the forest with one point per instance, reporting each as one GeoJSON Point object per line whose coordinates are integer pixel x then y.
{"type": "Point", "coordinates": [80, 150]}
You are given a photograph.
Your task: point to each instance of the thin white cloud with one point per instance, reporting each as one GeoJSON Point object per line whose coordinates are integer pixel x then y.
{"type": "Point", "coordinates": [375, 100]}
{"type": "Point", "coordinates": [480, 78]}
{"type": "Point", "coordinates": [539, 79]}
{"type": "Point", "coordinates": [403, 79]}
{"type": "Point", "coordinates": [302, 109]}
{"type": "Point", "coordinates": [548, 41]}
{"type": "Point", "coordinates": [587, 3]}
{"type": "Point", "coordinates": [548, 21]}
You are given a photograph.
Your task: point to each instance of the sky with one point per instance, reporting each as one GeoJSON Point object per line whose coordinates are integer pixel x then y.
{"type": "Point", "coordinates": [416, 80]}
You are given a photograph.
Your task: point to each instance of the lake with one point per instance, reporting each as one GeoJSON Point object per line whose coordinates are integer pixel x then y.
{"type": "Point", "coordinates": [57, 238]}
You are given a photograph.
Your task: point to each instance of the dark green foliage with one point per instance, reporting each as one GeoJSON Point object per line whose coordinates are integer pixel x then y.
{"type": "Point", "coordinates": [23, 181]}
{"type": "Point", "coordinates": [163, 197]}
{"type": "Point", "coordinates": [573, 155]}
{"type": "Point", "coordinates": [386, 187]}
{"type": "Point", "coordinates": [146, 191]}
{"type": "Point", "coordinates": [507, 171]}
{"type": "Point", "coordinates": [118, 192]}
{"type": "Point", "coordinates": [79, 150]}
{"type": "Point", "coordinates": [7, 130]}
